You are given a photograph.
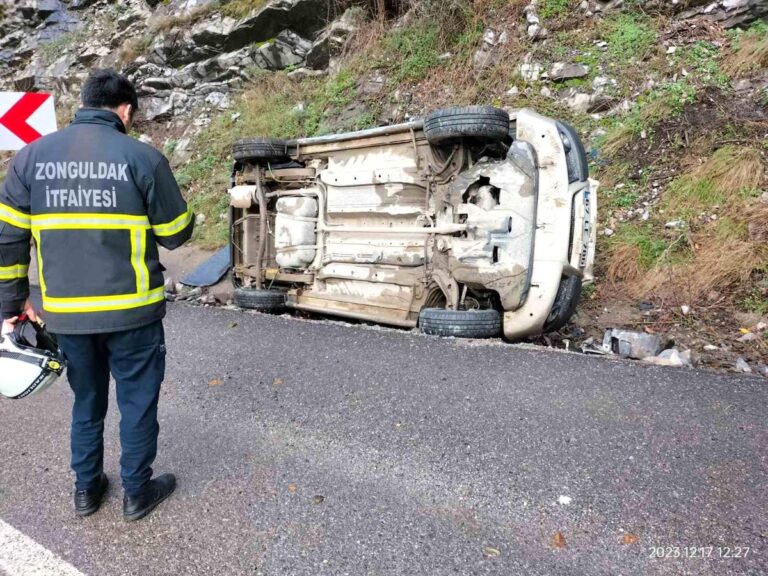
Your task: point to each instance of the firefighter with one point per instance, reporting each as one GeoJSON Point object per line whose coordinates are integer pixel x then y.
{"type": "Point", "coordinates": [97, 203]}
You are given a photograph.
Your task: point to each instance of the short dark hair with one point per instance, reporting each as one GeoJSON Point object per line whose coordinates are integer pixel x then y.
{"type": "Point", "coordinates": [108, 89]}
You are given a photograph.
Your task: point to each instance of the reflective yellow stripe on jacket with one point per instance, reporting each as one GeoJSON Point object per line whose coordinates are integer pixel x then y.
{"type": "Point", "coordinates": [13, 272]}
{"type": "Point", "coordinates": [174, 226]}
{"type": "Point", "coordinates": [137, 226]}
{"type": "Point", "coordinates": [103, 303]}
{"type": "Point", "coordinates": [89, 222]}
{"type": "Point", "coordinates": [14, 217]}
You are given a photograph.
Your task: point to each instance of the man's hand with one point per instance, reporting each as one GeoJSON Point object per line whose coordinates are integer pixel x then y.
{"type": "Point", "coordinates": [9, 324]}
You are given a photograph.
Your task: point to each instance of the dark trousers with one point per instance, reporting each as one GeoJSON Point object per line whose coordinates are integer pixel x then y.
{"type": "Point", "coordinates": [136, 359]}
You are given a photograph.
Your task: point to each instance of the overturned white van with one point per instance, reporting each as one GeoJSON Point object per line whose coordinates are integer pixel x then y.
{"type": "Point", "coordinates": [467, 223]}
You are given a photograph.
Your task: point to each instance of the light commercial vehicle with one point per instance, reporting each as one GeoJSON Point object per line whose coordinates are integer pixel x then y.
{"type": "Point", "coordinates": [466, 223]}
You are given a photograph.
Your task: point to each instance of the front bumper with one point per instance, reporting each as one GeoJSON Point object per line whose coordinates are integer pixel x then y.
{"type": "Point", "coordinates": [563, 224]}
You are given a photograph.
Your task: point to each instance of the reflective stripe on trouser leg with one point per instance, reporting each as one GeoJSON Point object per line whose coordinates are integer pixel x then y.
{"type": "Point", "coordinates": [137, 362]}
{"type": "Point", "coordinates": [88, 376]}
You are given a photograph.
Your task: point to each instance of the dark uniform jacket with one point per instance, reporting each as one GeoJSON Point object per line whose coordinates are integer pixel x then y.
{"type": "Point", "coordinates": [97, 202]}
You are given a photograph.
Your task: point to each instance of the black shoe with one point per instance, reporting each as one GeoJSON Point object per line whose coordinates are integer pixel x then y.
{"type": "Point", "coordinates": [136, 507]}
{"type": "Point", "coordinates": [88, 502]}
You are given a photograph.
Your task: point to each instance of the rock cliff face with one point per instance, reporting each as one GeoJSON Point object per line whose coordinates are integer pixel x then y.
{"type": "Point", "coordinates": [188, 56]}
{"type": "Point", "coordinates": [184, 55]}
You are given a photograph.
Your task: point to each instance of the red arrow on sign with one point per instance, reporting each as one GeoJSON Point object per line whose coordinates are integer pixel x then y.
{"type": "Point", "coordinates": [15, 119]}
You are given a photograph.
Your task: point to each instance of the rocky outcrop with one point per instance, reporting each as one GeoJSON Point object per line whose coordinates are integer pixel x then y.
{"type": "Point", "coordinates": [217, 34]}
{"type": "Point", "coordinates": [330, 44]}
{"type": "Point", "coordinates": [304, 17]}
{"type": "Point", "coordinates": [729, 13]}
{"type": "Point", "coordinates": [491, 49]}
{"type": "Point", "coordinates": [562, 71]}
{"type": "Point", "coordinates": [732, 13]}
{"type": "Point", "coordinates": [182, 54]}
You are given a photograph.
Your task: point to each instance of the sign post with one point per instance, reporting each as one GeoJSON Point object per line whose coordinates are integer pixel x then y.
{"type": "Point", "coordinates": [25, 117]}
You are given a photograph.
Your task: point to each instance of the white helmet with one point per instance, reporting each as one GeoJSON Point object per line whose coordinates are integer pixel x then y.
{"type": "Point", "coordinates": [30, 360]}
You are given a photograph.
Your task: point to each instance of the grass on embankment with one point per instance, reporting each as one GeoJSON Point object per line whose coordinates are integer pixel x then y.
{"type": "Point", "coordinates": [718, 248]}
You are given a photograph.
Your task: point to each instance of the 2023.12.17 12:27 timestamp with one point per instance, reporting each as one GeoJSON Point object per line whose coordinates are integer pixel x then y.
{"type": "Point", "coordinates": [667, 552]}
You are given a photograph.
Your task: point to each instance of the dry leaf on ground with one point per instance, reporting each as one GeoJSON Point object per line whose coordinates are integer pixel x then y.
{"type": "Point", "coordinates": [630, 539]}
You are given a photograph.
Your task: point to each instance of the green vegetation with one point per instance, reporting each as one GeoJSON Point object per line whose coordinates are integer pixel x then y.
{"type": "Point", "coordinates": [170, 146]}
{"type": "Point", "coordinates": [410, 52]}
{"type": "Point", "coordinates": [667, 101]}
{"type": "Point", "coordinates": [731, 229]}
{"type": "Point", "coordinates": [749, 50]}
{"type": "Point", "coordinates": [240, 8]}
{"type": "Point", "coordinates": [164, 24]}
{"type": "Point", "coordinates": [331, 97]}
{"type": "Point", "coordinates": [754, 301]}
{"type": "Point", "coordinates": [51, 51]}
{"type": "Point", "coordinates": [700, 58]}
{"type": "Point", "coordinates": [629, 36]}
{"type": "Point", "coordinates": [645, 239]}
{"type": "Point", "coordinates": [467, 41]}
{"type": "Point", "coordinates": [134, 47]}
{"type": "Point", "coordinates": [764, 98]}
{"type": "Point", "coordinates": [688, 196]}
{"type": "Point", "coordinates": [588, 291]}
{"type": "Point", "coordinates": [730, 177]}
{"type": "Point", "coordinates": [553, 8]}
{"type": "Point", "coordinates": [364, 120]}
{"type": "Point", "coordinates": [623, 197]}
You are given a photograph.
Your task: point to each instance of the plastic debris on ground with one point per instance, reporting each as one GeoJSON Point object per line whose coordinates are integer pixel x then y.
{"type": "Point", "coordinates": [671, 357]}
{"type": "Point", "coordinates": [211, 271]}
{"type": "Point", "coordinates": [631, 344]}
{"type": "Point", "coordinates": [742, 366]}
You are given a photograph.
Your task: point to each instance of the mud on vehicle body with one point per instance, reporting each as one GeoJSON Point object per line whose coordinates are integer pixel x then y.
{"type": "Point", "coordinates": [464, 223]}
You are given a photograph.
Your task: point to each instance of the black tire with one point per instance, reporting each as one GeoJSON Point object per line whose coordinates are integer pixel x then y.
{"type": "Point", "coordinates": [460, 323]}
{"type": "Point", "coordinates": [260, 150]}
{"type": "Point", "coordinates": [263, 300]}
{"type": "Point", "coordinates": [568, 296]}
{"type": "Point", "coordinates": [481, 123]}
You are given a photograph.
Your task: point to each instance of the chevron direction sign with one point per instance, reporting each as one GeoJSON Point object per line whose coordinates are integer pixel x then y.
{"type": "Point", "coordinates": [25, 117]}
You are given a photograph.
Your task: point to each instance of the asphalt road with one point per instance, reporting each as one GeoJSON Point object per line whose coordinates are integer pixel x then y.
{"type": "Point", "coordinates": [308, 448]}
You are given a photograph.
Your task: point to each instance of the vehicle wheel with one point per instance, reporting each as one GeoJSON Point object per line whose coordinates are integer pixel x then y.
{"type": "Point", "coordinates": [484, 123]}
{"type": "Point", "coordinates": [460, 323]}
{"type": "Point", "coordinates": [568, 295]}
{"type": "Point", "coordinates": [264, 300]}
{"type": "Point", "coordinates": [260, 149]}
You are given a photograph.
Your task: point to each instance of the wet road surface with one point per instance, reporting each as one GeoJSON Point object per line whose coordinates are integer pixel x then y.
{"type": "Point", "coordinates": [311, 448]}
